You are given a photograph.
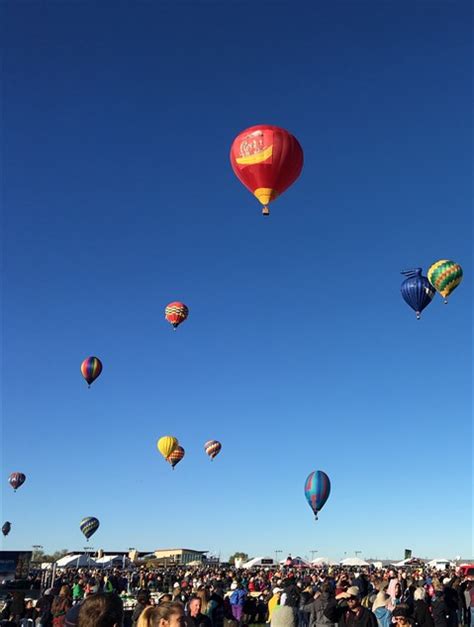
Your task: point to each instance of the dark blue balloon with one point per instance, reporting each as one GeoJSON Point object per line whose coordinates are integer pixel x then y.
{"type": "Point", "coordinates": [416, 290]}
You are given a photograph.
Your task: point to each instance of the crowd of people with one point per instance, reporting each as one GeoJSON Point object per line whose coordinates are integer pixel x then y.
{"type": "Point", "coordinates": [213, 596]}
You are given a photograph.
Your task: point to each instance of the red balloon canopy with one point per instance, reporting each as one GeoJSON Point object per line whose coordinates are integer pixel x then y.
{"type": "Point", "coordinates": [267, 160]}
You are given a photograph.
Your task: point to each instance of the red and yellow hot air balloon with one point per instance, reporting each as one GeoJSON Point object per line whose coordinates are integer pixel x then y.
{"type": "Point", "coordinates": [176, 313]}
{"type": "Point", "coordinates": [267, 160]}
{"type": "Point", "coordinates": [176, 456]}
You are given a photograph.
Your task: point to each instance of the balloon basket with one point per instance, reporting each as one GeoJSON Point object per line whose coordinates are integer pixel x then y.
{"type": "Point", "coordinates": [266, 211]}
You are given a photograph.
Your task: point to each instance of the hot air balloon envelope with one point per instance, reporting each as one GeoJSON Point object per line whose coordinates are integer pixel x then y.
{"type": "Point", "coordinates": [6, 528]}
{"type": "Point", "coordinates": [445, 276]}
{"type": "Point", "coordinates": [176, 313]}
{"type": "Point", "coordinates": [212, 448]}
{"type": "Point", "coordinates": [176, 456]}
{"type": "Point", "coordinates": [317, 488]}
{"type": "Point", "coordinates": [16, 479]}
{"type": "Point", "coordinates": [91, 368]}
{"type": "Point", "coordinates": [89, 526]}
{"type": "Point", "coordinates": [416, 290]}
{"type": "Point", "coordinates": [267, 160]}
{"type": "Point", "coordinates": [166, 445]}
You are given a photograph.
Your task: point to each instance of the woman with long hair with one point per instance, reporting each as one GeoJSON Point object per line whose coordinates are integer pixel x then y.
{"type": "Point", "coordinates": [61, 604]}
{"type": "Point", "coordinates": [163, 615]}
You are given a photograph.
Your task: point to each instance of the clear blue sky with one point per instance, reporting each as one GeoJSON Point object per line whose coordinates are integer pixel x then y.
{"type": "Point", "coordinates": [299, 353]}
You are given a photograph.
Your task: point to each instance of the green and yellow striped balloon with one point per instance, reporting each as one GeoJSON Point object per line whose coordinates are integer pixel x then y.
{"type": "Point", "coordinates": [445, 276]}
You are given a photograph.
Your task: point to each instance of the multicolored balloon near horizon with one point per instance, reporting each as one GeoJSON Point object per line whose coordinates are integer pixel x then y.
{"type": "Point", "coordinates": [317, 488]}
{"type": "Point", "coordinates": [267, 160]}
{"type": "Point", "coordinates": [212, 448]}
{"type": "Point", "coordinates": [16, 480]}
{"type": "Point", "coordinates": [176, 456]}
{"type": "Point", "coordinates": [166, 445]}
{"type": "Point", "coordinates": [445, 276]}
{"type": "Point", "coordinates": [176, 313]}
{"type": "Point", "coordinates": [416, 290]}
{"type": "Point", "coordinates": [6, 528]}
{"type": "Point", "coordinates": [89, 526]}
{"type": "Point", "coordinates": [91, 368]}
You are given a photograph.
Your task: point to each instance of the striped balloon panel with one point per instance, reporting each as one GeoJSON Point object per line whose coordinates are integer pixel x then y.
{"type": "Point", "coordinates": [16, 479]}
{"type": "Point", "coordinates": [212, 448]}
{"type": "Point", "coordinates": [317, 488]}
{"type": "Point", "coordinates": [445, 276]}
{"type": "Point", "coordinates": [91, 368]}
{"type": "Point", "coordinates": [89, 526]}
{"type": "Point", "coordinates": [176, 313]}
{"type": "Point", "coordinates": [176, 456]}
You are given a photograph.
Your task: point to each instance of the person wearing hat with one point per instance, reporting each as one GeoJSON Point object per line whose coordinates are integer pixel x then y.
{"type": "Point", "coordinates": [381, 611]}
{"type": "Point", "coordinates": [349, 612]}
{"type": "Point", "coordinates": [283, 616]}
{"type": "Point", "coordinates": [401, 616]}
{"type": "Point", "coordinates": [273, 602]}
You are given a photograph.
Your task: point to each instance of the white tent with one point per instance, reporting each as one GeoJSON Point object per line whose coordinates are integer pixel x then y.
{"type": "Point", "coordinates": [260, 561]}
{"type": "Point", "coordinates": [353, 561]}
{"type": "Point", "coordinates": [439, 564]}
{"type": "Point", "coordinates": [297, 561]}
{"type": "Point", "coordinates": [322, 561]}
{"type": "Point", "coordinates": [78, 560]}
{"type": "Point", "coordinates": [108, 561]}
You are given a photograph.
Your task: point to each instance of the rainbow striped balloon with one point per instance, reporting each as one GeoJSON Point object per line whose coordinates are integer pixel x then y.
{"type": "Point", "coordinates": [212, 448]}
{"type": "Point", "coordinates": [317, 488]}
{"type": "Point", "coordinates": [91, 368]}
{"type": "Point", "coordinates": [445, 276]}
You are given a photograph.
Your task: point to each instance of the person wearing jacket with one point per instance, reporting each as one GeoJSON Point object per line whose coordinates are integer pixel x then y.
{"type": "Point", "coordinates": [381, 611]}
{"type": "Point", "coordinates": [318, 605]}
{"type": "Point", "coordinates": [351, 613]}
{"type": "Point", "coordinates": [237, 600]}
{"type": "Point", "coordinates": [421, 611]}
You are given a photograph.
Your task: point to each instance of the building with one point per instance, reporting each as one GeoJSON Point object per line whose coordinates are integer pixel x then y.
{"type": "Point", "coordinates": [14, 564]}
{"type": "Point", "coordinates": [179, 556]}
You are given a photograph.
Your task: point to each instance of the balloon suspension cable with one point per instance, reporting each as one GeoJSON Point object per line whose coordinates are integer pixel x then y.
{"type": "Point", "coordinates": [266, 211]}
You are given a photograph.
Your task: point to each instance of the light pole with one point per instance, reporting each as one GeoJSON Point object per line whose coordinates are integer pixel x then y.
{"type": "Point", "coordinates": [356, 553]}
{"type": "Point", "coordinates": [276, 554]}
{"type": "Point", "coordinates": [313, 551]}
{"type": "Point", "coordinates": [87, 551]}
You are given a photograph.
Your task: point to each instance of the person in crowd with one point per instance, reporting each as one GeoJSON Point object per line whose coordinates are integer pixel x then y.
{"type": "Point", "coordinates": [349, 612]}
{"type": "Point", "coordinates": [101, 610]}
{"type": "Point", "coordinates": [401, 616]}
{"type": "Point", "coordinates": [421, 611]}
{"type": "Point", "coordinates": [43, 609]}
{"type": "Point", "coordinates": [195, 618]}
{"type": "Point", "coordinates": [143, 601]}
{"type": "Point", "coordinates": [273, 602]}
{"type": "Point", "coordinates": [77, 591]}
{"type": "Point", "coordinates": [318, 604]}
{"type": "Point", "coordinates": [237, 600]}
{"type": "Point", "coordinates": [381, 611]}
{"type": "Point", "coordinates": [166, 614]}
{"type": "Point", "coordinates": [283, 616]}
{"type": "Point", "coordinates": [61, 604]}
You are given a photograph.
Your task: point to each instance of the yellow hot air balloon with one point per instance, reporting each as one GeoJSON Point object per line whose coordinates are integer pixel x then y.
{"type": "Point", "coordinates": [166, 445]}
{"type": "Point", "coordinates": [445, 275]}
